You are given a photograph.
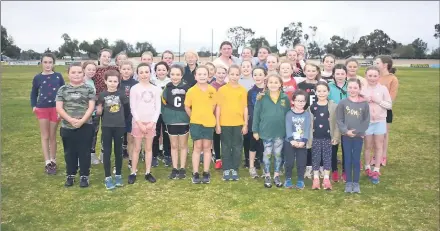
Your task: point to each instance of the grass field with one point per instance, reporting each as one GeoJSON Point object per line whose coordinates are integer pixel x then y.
{"type": "Point", "coordinates": [406, 199]}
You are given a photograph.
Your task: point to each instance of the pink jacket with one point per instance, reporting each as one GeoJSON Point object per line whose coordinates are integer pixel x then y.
{"type": "Point", "coordinates": [145, 102]}
{"type": "Point", "coordinates": [379, 100]}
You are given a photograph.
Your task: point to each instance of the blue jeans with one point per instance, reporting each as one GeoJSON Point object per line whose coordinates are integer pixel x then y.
{"type": "Point", "coordinates": [272, 146]}
{"type": "Point", "coordinates": [352, 158]}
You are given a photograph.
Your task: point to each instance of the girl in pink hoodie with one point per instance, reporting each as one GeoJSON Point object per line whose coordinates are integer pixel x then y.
{"type": "Point", "coordinates": [145, 107]}
{"type": "Point", "coordinates": [379, 101]}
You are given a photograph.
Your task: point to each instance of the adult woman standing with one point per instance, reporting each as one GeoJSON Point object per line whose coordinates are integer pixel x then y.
{"type": "Point", "coordinates": [226, 59]}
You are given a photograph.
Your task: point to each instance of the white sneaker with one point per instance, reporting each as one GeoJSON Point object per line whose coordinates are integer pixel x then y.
{"type": "Point", "coordinates": [308, 172]}
{"type": "Point", "coordinates": [321, 172]}
{"type": "Point", "coordinates": [94, 159]}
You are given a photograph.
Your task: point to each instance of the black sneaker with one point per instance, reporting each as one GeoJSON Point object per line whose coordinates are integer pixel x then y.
{"type": "Point", "coordinates": [182, 173]}
{"type": "Point", "coordinates": [131, 178]}
{"type": "Point", "coordinates": [196, 178]}
{"type": "Point", "coordinates": [267, 182]}
{"type": "Point", "coordinates": [206, 178]}
{"type": "Point", "coordinates": [150, 178]}
{"type": "Point", "coordinates": [174, 173]}
{"type": "Point", "coordinates": [154, 162]}
{"type": "Point", "coordinates": [70, 179]}
{"type": "Point", "coordinates": [84, 182]}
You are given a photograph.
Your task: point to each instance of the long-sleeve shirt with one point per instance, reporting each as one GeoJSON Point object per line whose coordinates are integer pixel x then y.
{"type": "Point", "coordinates": [391, 83]}
{"type": "Point", "coordinates": [145, 102]}
{"type": "Point", "coordinates": [99, 80]}
{"type": "Point", "coordinates": [378, 109]}
{"type": "Point", "coordinates": [298, 126]}
{"type": "Point", "coordinates": [252, 100]}
{"type": "Point", "coordinates": [353, 115]}
{"type": "Point", "coordinates": [44, 89]}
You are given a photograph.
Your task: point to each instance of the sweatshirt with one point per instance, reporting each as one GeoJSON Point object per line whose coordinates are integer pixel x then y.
{"type": "Point", "coordinates": [188, 76]}
{"type": "Point", "coordinates": [44, 89]}
{"type": "Point", "coordinates": [298, 126]}
{"type": "Point", "coordinates": [353, 115]}
{"type": "Point", "coordinates": [336, 93]}
{"type": "Point", "coordinates": [145, 102]}
{"type": "Point", "coordinates": [391, 83]}
{"type": "Point", "coordinates": [252, 100]}
{"type": "Point", "coordinates": [269, 117]}
{"type": "Point", "coordinates": [99, 80]}
{"type": "Point", "coordinates": [247, 82]}
{"type": "Point", "coordinates": [379, 101]}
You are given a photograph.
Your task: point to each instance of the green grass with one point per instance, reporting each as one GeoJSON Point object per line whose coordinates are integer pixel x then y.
{"type": "Point", "coordinates": [406, 199]}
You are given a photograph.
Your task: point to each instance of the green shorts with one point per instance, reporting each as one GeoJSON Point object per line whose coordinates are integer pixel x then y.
{"type": "Point", "coordinates": [200, 132]}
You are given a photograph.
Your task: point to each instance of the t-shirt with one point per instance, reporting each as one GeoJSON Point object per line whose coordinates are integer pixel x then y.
{"type": "Point", "coordinates": [289, 87]}
{"type": "Point", "coordinates": [321, 124]}
{"type": "Point", "coordinates": [113, 104]}
{"type": "Point", "coordinates": [202, 104]}
{"type": "Point", "coordinates": [125, 86]}
{"type": "Point", "coordinates": [310, 89]}
{"type": "Point", "coordinates": [75, 102]}
{"type": "Point", "coordinates": [232, 101]}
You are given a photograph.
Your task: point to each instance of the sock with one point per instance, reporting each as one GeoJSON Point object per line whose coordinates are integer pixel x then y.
{"type": "Point", "coordinates": [376, 169]}
{"type": "Point", "coordinates": [47, 162]}
{"type": "Point", "coordinates": [316, 174]}
{"type": "Point", "coordinates": [326, 176]}
{"type": "Point", "coordinates": [367, 166]}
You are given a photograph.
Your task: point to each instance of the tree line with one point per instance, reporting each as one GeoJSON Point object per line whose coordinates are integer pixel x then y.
{"type": "Point", "coordinates": [375, 43]}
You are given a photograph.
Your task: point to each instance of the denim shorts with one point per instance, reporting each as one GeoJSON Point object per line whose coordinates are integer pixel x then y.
{"type": "Point", "coordinates": [377, 128]}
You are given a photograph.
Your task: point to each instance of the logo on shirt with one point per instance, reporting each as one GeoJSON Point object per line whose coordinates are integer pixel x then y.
{"type": "Point", "coordinates": [178, 91]}
{"type": "Point", "coordinates": [113, 103]}
{"type": "Point", "coordinates": [283, 102]}
{"type": "Point", "coordinates": [353, 112]}
{"type": "Point", "coordinates": [210, 94]}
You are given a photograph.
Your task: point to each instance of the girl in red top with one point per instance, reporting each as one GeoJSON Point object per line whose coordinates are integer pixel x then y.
{"type": "Point", "coordinates": [289, 83]}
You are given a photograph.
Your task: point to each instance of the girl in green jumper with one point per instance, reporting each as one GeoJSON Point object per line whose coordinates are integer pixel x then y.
{"type": "Point", "coordinates": [268, 124]}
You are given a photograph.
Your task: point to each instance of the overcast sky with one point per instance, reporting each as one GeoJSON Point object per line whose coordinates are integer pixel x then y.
{"type": "Point", "coordinates": [38, 25]}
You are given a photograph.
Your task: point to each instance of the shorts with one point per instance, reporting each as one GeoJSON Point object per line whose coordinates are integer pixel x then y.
{"type": "Point", "coordinates": [255, 145]}
{"type": "Point", "coordinates": [128, 125]}
{"type": "Point", "coordinates": [199, 132]}
{"type": "Point", "coordinates": [389, 116]}
{"type": "Point", "coordinates": [137, 133]}
{"type": "Point", "coordinates": [177, 129]}
{"type": "Point", "coordinates": [48, 113]}
{"type": "Point", "coordinates": [377, 128]}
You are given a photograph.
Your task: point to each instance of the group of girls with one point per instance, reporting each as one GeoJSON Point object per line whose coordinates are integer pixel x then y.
{"type": "Point", "coordinates": [288, 109]}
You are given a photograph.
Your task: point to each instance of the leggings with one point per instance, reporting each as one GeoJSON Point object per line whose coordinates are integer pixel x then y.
{"type": "Point", "coordinates": [335, 157]}
{"type": "Point", "coordinates": [321, 150]}
{"type": "Point", "coordinates": [95, 124]}
{"type": "Point", "coordinates": [290, 154]}
{"type": "Point", "coordinates": [272, 147]}
{"type": "Point", "coordinates": [160, 125]}
{"type": "Point", "coordinates": [309, 158]}
{"type": "Point", "coordinates": [109, 135]}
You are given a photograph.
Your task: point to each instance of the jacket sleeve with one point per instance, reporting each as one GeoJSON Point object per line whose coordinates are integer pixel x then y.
{"type": "Point", "coordinates": [289, 125]}
{"type": "Point", "coordinates": [34, 92]}
{"type": "Point", "coordinates": [386, 101]}
{"type": "Point", "coordinates": [340, 118]}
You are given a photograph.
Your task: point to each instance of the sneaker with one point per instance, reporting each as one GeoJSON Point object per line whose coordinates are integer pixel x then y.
{"type": "Point", "coordinates": [267, 182]}
{"type": "Point", "coordinates": [277, 181]}
{"type": "Point", "coordinates": [226, 175]}
{"type": "Point", "coordinates": [129, 164]}
{"type": "Point", "coordinates": [53, 168]}
{"type": "Point", "coordinates": [374, 177]}
{"type": "Point", "coordinates": [84, 182]}
{"type": "Point", "coordinates": [132, 178]}
{"type": "Point", "coordinates": [321, 172]}
{"type": "Point", "coordinates": [206, 178]}
{"type": "Point", "coordinates": [150, 178]}
{"type": "Point", "coordinates": [344, 177]}
{"type": "Point", "coordinates": [368, 172]}
{"type": "Point", "coordinates": [94, 158]}
{"type": "Point", "coordinates": [167, 161]}
{"type": "Point", "coordinates": [348, 187]}
{"type": "Point", "coordinates": [47, 168]}
{"type": "Point", "coordinates": [174, 174]}
{"type": "Point", "coordinates": [288, 183]}
{"type": "Point", "coordinates": [246, 164]}
{"type": "Point", "coordinates": [182, 173]}
{"type": "Point", "coordinates": [257, 164]}
{"type": "Point", "coordinates": [196, 178]}
{"type": "Point", "coordinates": [335, 176]}
{"type": "Point", "coordinates": [218, 164]}
{"type": "Point", "coordinates": [356, 188]}
{"type": "Point", "coordinates": [118, 181]}
{"type": "Point", "coordinates": [234, 175]}
{"type": "Point", "coordinates": [70, 179]}
{"type": "Point", "coordinates": [154, 162]}
{"type": "Point", "coordinates": [326, 184]}
{"type": "Point", "coordinates": [253, 173]}
{"type": "Point", "coordinates": [308, 173]}
{"type": "Point", "coordinates": [316, 184]}
{"type": "Point", "coordinates": [384, 161]}
{"type": "Point", "coordinates": [108, 182]}
{"type": "Point", "coordinates": [300, 185]}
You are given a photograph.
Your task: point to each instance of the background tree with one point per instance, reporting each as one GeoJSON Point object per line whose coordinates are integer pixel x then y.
{"type": "Point", "coordinates": [338, 46]}
{"type": "Point", "coordinates": [436, 27]}
{"type": "Point", "coordinates": [376, 43]}
{"type": "Point", "coordinates": [5, 40]}
{"type": "Point", "coordinates": [314, 50]}
{"type": "Point", "coordinates": [30, 55]}
{"type": "Point", "coordinates": [145, 46]}
{"type": "Point", "coordinates": [239, 37]}
{"type": "Point", "coordinates": [256, 43]}
{"type": "Point", "coordinates": [204, 52]}
{"type": "Point", "coordinates": [291, 35]}
{"type": "Point", "coordinates": [420, 48]}
{"type": "Point", "coordinates": [69, 47]}
{"type": "Point", "coordinates": [119, 46]}
{"type": "Point", "coordinates": [404, 52]}
{"type": "Point", "coordinates": [8, 47]}
{"type": "Point", "coordinates": [92, 49]}
{"type": "Point", "coordinates": [435, 54]}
